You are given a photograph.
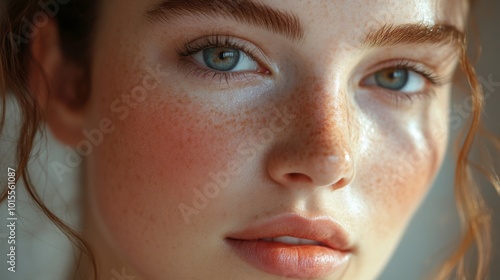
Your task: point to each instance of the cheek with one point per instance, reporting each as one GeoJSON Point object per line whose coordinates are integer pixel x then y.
{"type": "Point", "coordinates": [403, 166]}
{"type": "Point", "coordinates": [164, 148]}
{"type": "Point", "coordinates": [160, 151]}
{"type": "Point", "coordinates": [401, 179]}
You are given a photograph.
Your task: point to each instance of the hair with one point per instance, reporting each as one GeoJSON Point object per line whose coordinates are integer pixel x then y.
{"type": "Point", "coordinates": [74, 19]}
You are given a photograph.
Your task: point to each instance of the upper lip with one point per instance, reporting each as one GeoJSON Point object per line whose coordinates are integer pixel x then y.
{"type": "Point", "coordinates": [322, 229]}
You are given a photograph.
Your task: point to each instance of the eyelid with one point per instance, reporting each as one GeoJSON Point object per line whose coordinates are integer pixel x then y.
{"type": "Point", "coordinates": [419, 68]}
{"type": "Point", "coordinates": [194, 46]}
{"type": "Point", "coordinates": [432, 79]}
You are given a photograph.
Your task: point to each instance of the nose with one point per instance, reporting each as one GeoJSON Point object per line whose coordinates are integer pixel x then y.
{"type": "Point", "coordinates": [317, 148]}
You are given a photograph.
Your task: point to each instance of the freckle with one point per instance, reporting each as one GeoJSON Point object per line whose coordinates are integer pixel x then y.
{"type": "Point", "coordinates": [138, 177]}
{"type": "Point", "coordinates": [231, 122]}
{"type": "Point", "coordinates": [218, 127]}
{"type": "Point", "coordinates": [151, 218]}
{"type": "Point", "coordinates": [184, 99]}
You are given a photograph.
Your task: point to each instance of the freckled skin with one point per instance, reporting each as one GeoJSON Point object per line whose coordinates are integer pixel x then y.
{"type": "Point", "coordinates": [338, 151]}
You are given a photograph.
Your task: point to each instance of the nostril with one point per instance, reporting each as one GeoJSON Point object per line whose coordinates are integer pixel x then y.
{"type": "Point", "coordinates": [341, 183]}
{"type": "Point", "coordinates": [298, 177]}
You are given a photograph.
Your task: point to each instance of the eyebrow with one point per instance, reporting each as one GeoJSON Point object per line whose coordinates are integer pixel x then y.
{"type": "Point", "coordinates": [247, 11]}
{"type": "Point", "coordinates": [290, 26]}
{"type": "Point", "coordinates": [416, 33]}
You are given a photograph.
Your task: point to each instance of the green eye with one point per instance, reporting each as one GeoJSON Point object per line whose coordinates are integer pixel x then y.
{"type": "Point", "coordinates": [399, 79]}
{"type": "Point", "coordinates": [226, 59]}
{"type": "Point", "coordinates": [221, 59]}
{"type": "Point", "coordinates": [392, 78]}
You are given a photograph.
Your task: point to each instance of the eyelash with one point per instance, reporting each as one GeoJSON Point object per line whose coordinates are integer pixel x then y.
{"type": "Point", "coordinates": [190, 48]}
{"type": "Point", "coordinates": [430, 76]}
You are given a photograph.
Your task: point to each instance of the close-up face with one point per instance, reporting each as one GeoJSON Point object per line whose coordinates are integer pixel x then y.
{"type": "Point", "coordinates": [265, 139]}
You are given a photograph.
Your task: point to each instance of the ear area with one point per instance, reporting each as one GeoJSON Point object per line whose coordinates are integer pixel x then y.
{"type": "Point", "coordinates": [59, 84]}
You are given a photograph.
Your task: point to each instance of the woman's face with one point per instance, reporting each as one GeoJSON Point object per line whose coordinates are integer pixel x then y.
{"type": "Point", "coordinates": [228, 124]}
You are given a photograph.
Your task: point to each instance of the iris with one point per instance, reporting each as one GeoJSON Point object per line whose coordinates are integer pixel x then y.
{"type": "Point", "coordinates": [392, 78]}
{"type": "Point", "coordinates": [221, 58]}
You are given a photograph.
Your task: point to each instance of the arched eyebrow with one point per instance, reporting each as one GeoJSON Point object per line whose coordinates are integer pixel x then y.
{"type": "Point", "coordinates": [246, 11]}
{"type": "Point", "coordinates": [414, 33]}
{"type": "Point", "coordinates": [290, 26]}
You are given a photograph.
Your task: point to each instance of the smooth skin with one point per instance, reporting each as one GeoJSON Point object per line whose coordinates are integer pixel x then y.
{"type": "Point", "coordinates": [303, 128]}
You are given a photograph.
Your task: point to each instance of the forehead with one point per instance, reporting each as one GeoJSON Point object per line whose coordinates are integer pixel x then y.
{"type": "Point", "coordinates": [338, 10]}
{"type": "Point", "coordinates": [371, 13]}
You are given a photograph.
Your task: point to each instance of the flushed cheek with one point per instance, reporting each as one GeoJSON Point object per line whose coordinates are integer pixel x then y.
{"type": "Point", "coordinates": [150, 165]}
{"type": "Point", "coordinates": [404, 182]}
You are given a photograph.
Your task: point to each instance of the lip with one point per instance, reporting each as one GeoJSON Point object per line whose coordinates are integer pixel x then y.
{"type": "Point", "coordinates": [294, 261]}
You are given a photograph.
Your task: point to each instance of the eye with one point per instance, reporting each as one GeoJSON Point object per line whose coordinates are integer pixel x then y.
{"type": "Point", "coordinates": [226, 59]}
{"type": "Point", "coordinates": [397, 79]}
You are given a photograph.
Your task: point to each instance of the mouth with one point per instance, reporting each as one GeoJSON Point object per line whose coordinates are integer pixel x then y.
{"type": "Point", "coordinates": [294, 246]}
{"type": "Point", "coordinates": [293, 241]}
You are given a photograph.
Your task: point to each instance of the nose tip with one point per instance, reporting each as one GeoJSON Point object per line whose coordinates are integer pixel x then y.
{"type": "Point", "coordinates": [345, 171]}
{"type": "Point", "coordinates": [331, 170]}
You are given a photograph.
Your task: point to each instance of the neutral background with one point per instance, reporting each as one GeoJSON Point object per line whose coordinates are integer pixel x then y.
{"type": "Point", "coordinates": [44, 254]}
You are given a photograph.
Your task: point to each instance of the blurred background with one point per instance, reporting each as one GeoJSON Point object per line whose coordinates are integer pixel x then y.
{"type": "Point", "coordinates": [433, 231]}
{"type": "Point", "coordinates": [435, 227]}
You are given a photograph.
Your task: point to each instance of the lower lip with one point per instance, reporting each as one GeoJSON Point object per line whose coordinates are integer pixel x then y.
{"type": "Point", "coordinates": [294, 261]}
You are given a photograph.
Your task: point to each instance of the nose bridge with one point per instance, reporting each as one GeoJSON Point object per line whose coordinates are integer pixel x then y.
{"type": "Point", "coordinates": [318, 150]}
{"type": "Point", "coordinates": [326, 123]}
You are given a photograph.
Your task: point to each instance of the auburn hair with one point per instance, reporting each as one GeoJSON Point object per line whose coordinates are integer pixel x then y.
{"type": "Point", "coordinates": [75, 23]}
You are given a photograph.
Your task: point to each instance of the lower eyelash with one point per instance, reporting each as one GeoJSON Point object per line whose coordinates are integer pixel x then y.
{"type": "Point", "coordinates": [398, 97]}
{"type": "Point", "coordinates": [191, 68]}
